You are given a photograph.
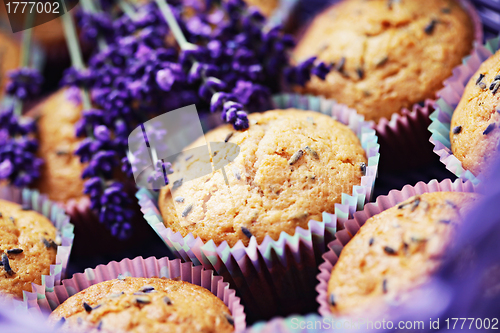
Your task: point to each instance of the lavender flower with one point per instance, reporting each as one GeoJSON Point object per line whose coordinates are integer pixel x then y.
{"type": "Point", "coordinates": [95, 24]}
{"type": "Point", "coordinates": [18, 161]}
{"type": "Point", "coordinates": [25, 83]}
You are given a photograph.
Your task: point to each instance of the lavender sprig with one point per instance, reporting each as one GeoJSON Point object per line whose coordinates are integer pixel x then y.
{"type": "Point", "coordinates": [18, 161]}
{"type": "Point", "coordinates": [100, 149]}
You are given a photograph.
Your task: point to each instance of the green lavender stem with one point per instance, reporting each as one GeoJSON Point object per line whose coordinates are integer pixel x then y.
{"type": "Point", "coordinates": [89, 6]}
{"type": "Point", "coordinates": [75, 52]}
{"type": "Point", "coordinates": [174, 26]}
{"type": "Point", "coordinates": [25, 57]}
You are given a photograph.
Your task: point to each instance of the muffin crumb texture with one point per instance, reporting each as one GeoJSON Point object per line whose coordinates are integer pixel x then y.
{"type": "Point", "coordinates": [143, 305]}
{"type": "Point", "coordinates": [475, 125]}
{"type": "Point", "coordinates": [28, 248]}
{"type": "Point", "coordinates": [288, 171]}
{"type": "Point", "coordinates": [61, 171]}
{"type": "Point", "coordinates": [387, 55]}
{"type": "Point", "coordinates": [395, 252]}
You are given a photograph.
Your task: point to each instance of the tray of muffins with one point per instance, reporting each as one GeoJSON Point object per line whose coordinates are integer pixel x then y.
{"type": "Point", "coordinates": [246, 165]}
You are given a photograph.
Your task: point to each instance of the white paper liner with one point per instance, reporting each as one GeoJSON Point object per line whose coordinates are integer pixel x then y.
{"type": "Point", "coordinates": [276, 276]}
{"type": "Point", "coordinates": [450, 96]}
{"type": "Point", "coordinates": [39, 203]}
{"type": "Point", "coordinates": [352, 226]}
{"type": "Point", "coordinates": [148, 268]}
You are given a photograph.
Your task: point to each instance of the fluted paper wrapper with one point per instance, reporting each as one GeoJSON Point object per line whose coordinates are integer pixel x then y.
{"type": "Point", "coordinates": [276, 276]}
{"type": "Point", "coordinates": [489, 12]}
{"type": "Point", "coordinates": [39, 203]}
{"type": "Point", "coordinates": [450, 96]}
{"type": "Point", "coordinates": [352, 226]}
{"type": "Point", "coordinates": [148, 268]}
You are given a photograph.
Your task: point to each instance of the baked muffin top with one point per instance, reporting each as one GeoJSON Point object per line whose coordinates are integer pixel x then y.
{"type": "Point", "coordinates": [292, 166]}
{"type": "Point", "coordinates": [144, 305]}
{"type": "Point", "coordinates": [388, 55]}
{"type": "Point", "coordinates": [394, 252]}
{"type": "Point", "coordinates": [27, 245]}
{"type": "Point", "coordinates": [474, 131]}
{"type": "Point", "coordinates": [60, 174]}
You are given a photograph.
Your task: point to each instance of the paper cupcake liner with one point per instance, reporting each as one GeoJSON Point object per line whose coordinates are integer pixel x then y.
{"type": "Point", "coordinates": [489, 12]}
{"type": "Point", "coordinates": [277, 276]}
{"type": "Point", "coordinates": [39, 203]}
{"type": "Point", "coordinates": [352, 226]}
{"type": "Point", "coordinates": [148, 268]}
{"type": "Point", "coordinates": [450, 96]}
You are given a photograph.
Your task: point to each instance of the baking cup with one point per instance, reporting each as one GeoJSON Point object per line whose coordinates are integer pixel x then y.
{"type": "Point", "coordinates": [35, 201]}
{"type": "Point", "coordinates": [277, 276]}
{"type": "Point", "coordinates": [147, 268]}
{"type": "Point", "coordinates": [489, 12]}
{"type": "Point", "coordinates": [352, 226]}
{"type": "Point", "coordinates": [450, 96]}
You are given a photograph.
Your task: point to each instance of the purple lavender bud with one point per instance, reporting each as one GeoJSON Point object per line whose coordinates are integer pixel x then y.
{"type": "Point", "coordinates": [6, 169]}
{"type": "Point", "coordinates": [102, 133]}
{"type": "Point", "coordinates": [165, 79]}
{"type": "Point", "coordinates": [195, 72]}
{"type": "Point", "coordinates": [218, 99]}
{"type": "Point", "coordinates": [321, 70]}
{"type": "Point", "coordinates": [210, 86]}
{"type": "Point", "coordinates": [196, 26]}
{"type": "Point", "coordinates": [242, 121]}
{"type": "Point", "coordinates": [84, 150]}
{"type": "Point", "coordinates": [25, 83]}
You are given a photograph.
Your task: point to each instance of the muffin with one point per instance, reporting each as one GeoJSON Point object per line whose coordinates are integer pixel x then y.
{"type": "Point", "coordinates": [387, 55]}
{"type": "Point", "coordinates": [474, 132]}
{"type": "Point", "coordinates": [10, 53]}
{"type": "Point", "coordinates": [144, 305]}
{"type": "Point", "coordinates": [27, 242]}
{"type": "Point", "coordinates": [292, 166]}
{"type": "Point", "coordinates": [395, 252]}
{"type": "Point", "coordinates": [61, 171]}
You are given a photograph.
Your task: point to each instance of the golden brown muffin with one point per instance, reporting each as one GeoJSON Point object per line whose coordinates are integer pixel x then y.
{"type": "Point", "coordinates": [144, 305]}
{"type": "Point", "coordinates": [27, 245]}
{"type": "Point", "coordinates": [474, 132]}
{"type": "Point", "coordinates": [293, 165]}
{"type": "Point", "coordinates": [388, 55]}
{"type": "Point", "coordinates": [394, 252]}
{"type": "Point", "coordinates": [61, 171]}
{"type": "Point", "coordinates": [10, 55]}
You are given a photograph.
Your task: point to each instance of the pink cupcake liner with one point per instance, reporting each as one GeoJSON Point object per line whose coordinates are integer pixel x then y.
{"type": "Point", "coordinates": [276, 277]}
{"type": "Point", "coordinates": [352, 226]}
{"type": "Point", "coordinates": [148, 268]}
{"type": "Point", "coordinates": [450, 96]}
{"type": "Point", "coordinates": [39, 203]}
